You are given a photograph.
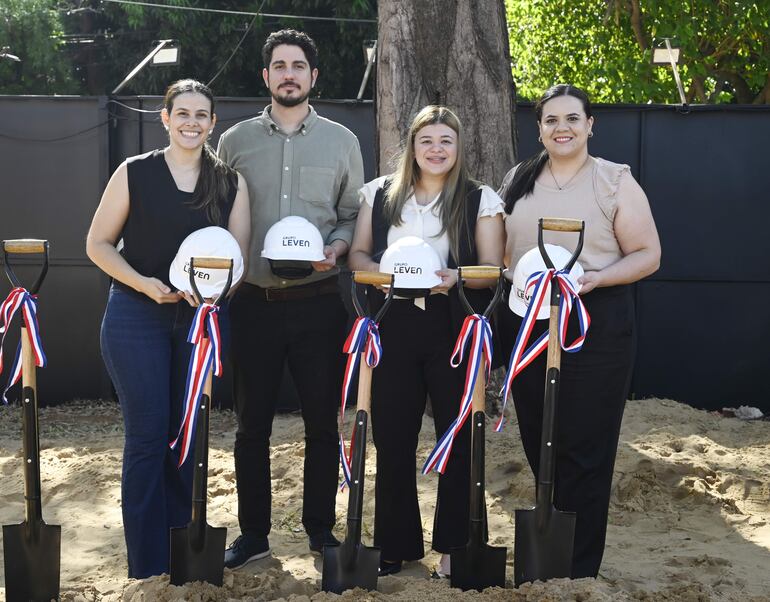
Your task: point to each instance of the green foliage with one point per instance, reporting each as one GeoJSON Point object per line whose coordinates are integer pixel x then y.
{"type": "Point", "coordinates": [88, 46]}
{"type": "Point", "coordinates": [725, 46]}
{"type": "Point", "coordinates": [31, 29]}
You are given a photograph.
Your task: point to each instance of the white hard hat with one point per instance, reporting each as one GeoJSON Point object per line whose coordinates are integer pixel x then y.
{"type": "Point", "coordinates": [413, 262]}
{"type": "Point", "coordinates": [206, 242]}
{"type": "Point", "coordinates": [295, 239]}
{"type": "Point", "coordinates": [532, 262]}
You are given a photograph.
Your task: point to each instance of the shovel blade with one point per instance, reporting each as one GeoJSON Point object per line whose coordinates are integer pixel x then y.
{"type": "Point", "coordinates": [32, 561]}
{"type": "Point", "coordinates": [197, 557]}
{"type": "Point", "coordinates": [543, 551]}
{"type": "Point", "coordinates": [477, 566]}
{"type": "Point", "coordinates": [346, 567]}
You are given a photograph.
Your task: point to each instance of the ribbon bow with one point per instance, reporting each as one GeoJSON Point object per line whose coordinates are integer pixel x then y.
{"type": "Point", "coordinates": [20, 298]}
{"type": "Point", "coordinates": [364, 338]}
{"type": "Point", "coordinates": [477, 330]}
{"type": "Point", "coordinates": [204, 335]}
{"type": "Point", "coordinates": [521, 358]}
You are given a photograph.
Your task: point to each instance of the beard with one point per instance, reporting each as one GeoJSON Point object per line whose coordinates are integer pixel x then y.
{"type": "Point", "coordinates": [289, 101]}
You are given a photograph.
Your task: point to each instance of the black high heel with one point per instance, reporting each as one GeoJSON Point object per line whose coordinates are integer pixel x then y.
{"type": "Point", "coordinates": [390, 568]}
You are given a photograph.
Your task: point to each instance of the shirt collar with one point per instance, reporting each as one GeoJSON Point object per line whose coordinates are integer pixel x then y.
{"type": "Point", "coordinates": [272, 127]}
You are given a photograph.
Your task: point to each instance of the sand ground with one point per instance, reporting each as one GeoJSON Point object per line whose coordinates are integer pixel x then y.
{"type": "Point", "coordinates": [689, 518]}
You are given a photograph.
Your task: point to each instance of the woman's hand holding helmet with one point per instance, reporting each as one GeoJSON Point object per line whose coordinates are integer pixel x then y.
{"type": "Point", "coordinates": [448, 279]}
{"type": "Point", "coordinates": [157, 291]}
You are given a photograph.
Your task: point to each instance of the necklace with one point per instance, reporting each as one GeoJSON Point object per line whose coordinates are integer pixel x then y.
{"type": "Point", "coordinates": [567, 183]}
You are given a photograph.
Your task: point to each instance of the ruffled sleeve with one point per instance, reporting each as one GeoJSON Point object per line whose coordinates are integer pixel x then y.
{"type": "Point", "coordinates": [607, 178]}
{"type": "Point", "coordinates": [491, 204]}
{"type": "Point", "coordinates": [367, 192]}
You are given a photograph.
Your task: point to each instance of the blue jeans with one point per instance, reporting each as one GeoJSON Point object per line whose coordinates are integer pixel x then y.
{"type": "Point", "coordinates": [146, 353]}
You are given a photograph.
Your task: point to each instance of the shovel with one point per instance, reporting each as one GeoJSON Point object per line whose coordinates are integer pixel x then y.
{"type": "Point", "coordinates": [352, 564]}
{"type": "Point", "coordinates": [197, 551]}
{"type": "Point", "coordinates": [478, 565]}
{"type": "Point", "coordinates": [545, 536]}
{"type": "Point", "coordinates": [32, 549]}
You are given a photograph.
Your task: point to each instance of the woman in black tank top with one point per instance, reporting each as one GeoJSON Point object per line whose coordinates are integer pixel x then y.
{"type": "Point", "coordinates": [153, 202]}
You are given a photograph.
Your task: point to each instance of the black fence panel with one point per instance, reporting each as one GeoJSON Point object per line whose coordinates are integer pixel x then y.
{"type": "Point", "coordinates": [54, 164]}
{"type": "Point", "coordinates": [701, 319]}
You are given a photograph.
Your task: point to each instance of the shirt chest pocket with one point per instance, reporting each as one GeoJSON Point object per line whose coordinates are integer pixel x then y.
{"type": "Point", "coordinates": [317, 185]}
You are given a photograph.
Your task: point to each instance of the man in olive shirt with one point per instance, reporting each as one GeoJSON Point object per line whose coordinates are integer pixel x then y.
{"type": "Point", "coordinates": [295, 163]}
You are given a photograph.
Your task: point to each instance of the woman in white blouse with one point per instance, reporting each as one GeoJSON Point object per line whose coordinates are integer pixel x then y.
{"type": "Point", "coordinates": [430, 196]}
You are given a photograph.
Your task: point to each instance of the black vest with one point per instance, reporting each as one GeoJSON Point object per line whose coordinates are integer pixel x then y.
{"type": "Point", "coordinates": [478, 298]}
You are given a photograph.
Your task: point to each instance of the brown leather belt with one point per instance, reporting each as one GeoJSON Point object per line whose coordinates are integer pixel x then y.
{"type": "Point", "coordinates": [327, 286]}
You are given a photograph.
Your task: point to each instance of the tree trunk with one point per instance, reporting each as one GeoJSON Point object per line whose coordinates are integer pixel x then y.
{"type": "Point", "coordinates": [454, 53]}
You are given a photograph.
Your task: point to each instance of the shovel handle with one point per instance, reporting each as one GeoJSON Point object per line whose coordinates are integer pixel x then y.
{"type": "Point", "coordinates": [23, 246]}
{"type": "Point", "coordinates": [480, 271]}
{"type": "Point", "coordinates": [30, 432]}
{"type": "Point", "coordinates": [212, 263]}
{"type": "Point", "coordinates": [364, 401]}
{"type": "Point", "coordinates": [561, 224]}
{"type": "Point", "coordinates": [376, 278]}
{"type": "Point", "coordinates": [478, 400]}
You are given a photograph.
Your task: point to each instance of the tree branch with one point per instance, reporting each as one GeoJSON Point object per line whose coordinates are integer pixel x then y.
{"type": "Point", "coordinates": [637, 26]}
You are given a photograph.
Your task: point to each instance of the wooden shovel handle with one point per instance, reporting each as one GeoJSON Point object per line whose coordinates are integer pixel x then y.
{"type": "Point", "coordinates": [22, 246]}
{"type": "Point", "coordinates": [213, 263]}
{"type": "Point", "coordinates": [480, 271]}
{"type": "Point", "coordinates": [561, 224]}
{"type": "Point", "coordinates": [377, 278]}
{"type": "Point", "coordinates": [364, 386]}
{"type": "Point", "coordinates": [478, 401]}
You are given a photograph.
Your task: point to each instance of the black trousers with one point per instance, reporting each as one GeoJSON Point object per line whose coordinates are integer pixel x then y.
{"type": "Point", "coordinates": [416, 347]}
{"type": "Point", "coordinates": [310, 333]}
{"type": "Point", "coordinates": [592, 394]}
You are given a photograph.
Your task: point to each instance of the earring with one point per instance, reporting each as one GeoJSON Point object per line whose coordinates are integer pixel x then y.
{"type": "Point", "coordinates": [539, 138]}
{"type": "Point", "coordinates": [590, 134]}
{"type": "Point", "coordinates": [211, 131]}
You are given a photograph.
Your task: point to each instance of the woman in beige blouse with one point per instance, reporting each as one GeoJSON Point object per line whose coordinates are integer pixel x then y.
{"type": "Point", "coordinates": [621, 247]}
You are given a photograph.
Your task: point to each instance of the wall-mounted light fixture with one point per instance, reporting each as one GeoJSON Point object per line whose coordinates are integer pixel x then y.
{"type": "Point", "coordinates": [4, 54]}
{"type": "Point", "coordinates": [165, 53]}
{"type": "Point", "coordinates": [665, 54]}
{"type": "Point", "coordinates": [370, 56]}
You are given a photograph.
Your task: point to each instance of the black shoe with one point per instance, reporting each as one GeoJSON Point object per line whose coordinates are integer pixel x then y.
{"type": "Point", "coordinates": [317, 541]}
{"type": "Point", "coordinates": [389, 568]}
{"type": "Point", "coordinates": [244, 549]}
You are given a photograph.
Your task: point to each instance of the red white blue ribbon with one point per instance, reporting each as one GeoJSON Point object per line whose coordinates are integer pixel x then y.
{"type": "Point", "coordinates": [521, 356]}
{"type": "Point", "coordinates": [364, 338]}
{"type": "Point", "coordinates": [21, 298]}
{"type": "Point", "coordinates": [204, 335]}
{"type": "Point", "coordinates": [478, 332]}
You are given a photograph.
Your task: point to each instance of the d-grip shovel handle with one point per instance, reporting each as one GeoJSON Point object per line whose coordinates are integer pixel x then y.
{"type": "Point", "coordinates": [212, 263]}
{"type": "Point", "coordinates": [481, 272]}
{"type": "Point", "coordinates": [26, 246]}
{"type": "Point", "coordinates": [560, 224]}
{"type": "Point", "coordinates": [376, 279]}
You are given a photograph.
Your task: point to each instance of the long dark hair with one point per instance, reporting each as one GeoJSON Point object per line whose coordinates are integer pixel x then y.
{"type": "Point", "coordinates": [523, 182]}
{"type": "Point", "coordinates": [456, 185]}
{"type": "Point", "coordinates": [216, 180]}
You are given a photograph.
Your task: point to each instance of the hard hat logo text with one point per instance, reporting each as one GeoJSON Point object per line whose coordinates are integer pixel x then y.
{"type": "Point", "coordinates": [405, 268]}
{"type": "Point", "coordinates": [200, 275]}
{"type": "Point", "coordinates": [293, 241]}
